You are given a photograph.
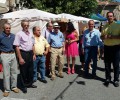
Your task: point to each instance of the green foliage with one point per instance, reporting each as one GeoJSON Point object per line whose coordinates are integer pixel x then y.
{"type": "Point", "coordinates": [77, 7]}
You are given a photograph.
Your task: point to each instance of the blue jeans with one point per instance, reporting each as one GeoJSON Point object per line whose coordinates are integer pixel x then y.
{"type": "Point", "coordinates": [91, 53]}
{"type": "Point", "coordinates": [39, 65]}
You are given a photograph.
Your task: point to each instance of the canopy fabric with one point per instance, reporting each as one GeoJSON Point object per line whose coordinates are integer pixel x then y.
{"type": "Point", "coordinates": [98, 17]}
{"type": "Point", "coordinates": [30, 13]}
{"type": "Point", "coordinates": [75, 18]}
{"type": "Point", "coordinates": [3, 6]}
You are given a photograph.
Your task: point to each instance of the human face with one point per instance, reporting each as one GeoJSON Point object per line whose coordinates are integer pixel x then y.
{"type": "Point", "coordinates": [25, 26]}
{"type": "Point", "coordinates": [37, 31]}
{"type": "Point", "coordinates": [56, 29]}
{"type": "Point", "coordinates": [7, 29]}
{"type": "Point", "coordinates": [110, 17]}
{"type": "Point", "coordinates": [91, 25]}
{"type": "Point", "coordinates": [50, 27]}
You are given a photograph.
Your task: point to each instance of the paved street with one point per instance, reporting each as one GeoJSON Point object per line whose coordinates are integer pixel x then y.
{"type": "Point", "coordinates": [71, 87]}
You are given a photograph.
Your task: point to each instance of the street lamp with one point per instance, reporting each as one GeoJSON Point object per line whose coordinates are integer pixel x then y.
{"type": "Point", "coordinates": [104, 8]}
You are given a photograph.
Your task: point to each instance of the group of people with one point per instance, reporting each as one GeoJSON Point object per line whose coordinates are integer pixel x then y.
{"type": "Point", "coordinates": [35, 52]}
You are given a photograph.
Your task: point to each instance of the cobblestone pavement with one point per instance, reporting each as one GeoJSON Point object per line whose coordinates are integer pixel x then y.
{"type": "Point", "coordinates": [71, 87]}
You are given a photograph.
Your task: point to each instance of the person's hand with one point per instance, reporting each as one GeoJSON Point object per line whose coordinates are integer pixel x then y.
{"type": "Point", "coordinates": [21, 61]}
{"type": "Point", "coordinates": [34, 57]}
{"type": "Point", "coordinates": [45, 53]}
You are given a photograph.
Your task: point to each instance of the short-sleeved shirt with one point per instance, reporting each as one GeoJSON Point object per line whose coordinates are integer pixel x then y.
{"type": "Point", "coordinates": [40, 45]}
{"type": "Point", "coordinates": [24, 41]}
{"type": "Point", "coordinates": [111, 29]}
{"type": "Point", "coordinates": [6, 42]}
{"type": "Point", "coordinates": [91, 38]}
{"type": "Point", "coordinates": [56, 39]}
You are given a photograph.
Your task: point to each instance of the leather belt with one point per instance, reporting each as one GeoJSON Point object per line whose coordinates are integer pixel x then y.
{"type": "Point", "coordinates": [57, 47]}
{"type": "Point", "coordinates": [9, 52]}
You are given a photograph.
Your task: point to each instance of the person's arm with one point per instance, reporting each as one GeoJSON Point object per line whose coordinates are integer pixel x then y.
{"type": "Point", "coordinates": [34, 56]}
{"type": "Point", "coordinates": [47, 47]}
{"type": "Point", "coordinates": [21, 60]}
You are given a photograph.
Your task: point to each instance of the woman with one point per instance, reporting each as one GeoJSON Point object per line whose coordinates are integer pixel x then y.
{"type": "Point", "coordinates": [71, 48]}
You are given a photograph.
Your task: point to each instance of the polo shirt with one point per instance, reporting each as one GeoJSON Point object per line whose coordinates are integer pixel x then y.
{"type": "Point", "coordinates": [40, 45]}
{"type": "Point", "coordinates": [91, 38]}
{"type": "Point", "coordinates": [111, 29]}
{"type": "Point", "coordinates": [56, 39]}
{"type": "Point", "coordinates": [6, 42]}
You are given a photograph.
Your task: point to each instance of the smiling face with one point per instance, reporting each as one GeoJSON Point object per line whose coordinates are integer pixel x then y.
{"type": "Point", "coordinates": [110, 17]}
{"type": "Point", "coordinates": [91, 24]}
{"type": "Point", "coordinates": [7, 28]}
{"type": "Point", "coordinates": [37, 31]}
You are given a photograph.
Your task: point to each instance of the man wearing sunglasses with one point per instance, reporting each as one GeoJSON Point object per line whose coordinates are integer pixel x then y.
{"type": "Point", "coordinates": [91, 41]}
{"type": "Point", "coordinates": [111, 38]}
{"type": "Point", "coordinates": [56, 41]}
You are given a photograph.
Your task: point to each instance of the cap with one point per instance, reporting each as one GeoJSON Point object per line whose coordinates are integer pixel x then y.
{"type": "Point", "coordinates": [56, 25]}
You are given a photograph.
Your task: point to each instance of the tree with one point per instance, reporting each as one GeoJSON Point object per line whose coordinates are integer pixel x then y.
{"type": "Point", "coordinates": [77, 7]}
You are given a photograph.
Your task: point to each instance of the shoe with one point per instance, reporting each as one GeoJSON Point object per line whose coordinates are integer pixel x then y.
{"type": "Point", "coordinates": [106, 83]}
{"type": "Point", "coordinates": [73, 70]}
{"type": "Point", "coordinates": [5, 94]}
{"type": "Point", "coordinates": [24, 90]}
{"type": "Point", "coordinates": [116, 84]}
{"type": "Point", "coordinates": [32, 86]}
{"type": "Point", "coordinates": [69, 71]}
{"type": "Point", "coordinates": [16, 90]}
{"type": "Point", "coordinates": [60, 75]}
{"type": "Point", "coordinates": [44, 81]}
{"type": "Point", "coordinates": [52, 78]}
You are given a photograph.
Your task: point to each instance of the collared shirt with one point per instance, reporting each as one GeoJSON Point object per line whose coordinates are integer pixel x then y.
{"type": "Point", "coordinates": [56, 39]}
{"type": "Point", "coordinates": [6, 42]}
{"type": "Point", "coordinates": [111, 29]}
{"type": "Point", "coordinates": [46, 34]}
{"type": "Point", "coordinates": [24, 41]}
{"type": "Point", "coordinates": [40, 45]}
{"type": "Point", "coordinates": [91, 38]}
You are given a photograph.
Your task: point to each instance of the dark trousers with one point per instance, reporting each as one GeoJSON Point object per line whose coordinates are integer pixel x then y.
{"type": "Point", "coordinates": [90, 53]}
{"type": "Point", "coordinates": [26, 70]}
{"type": "Point", "coordinates": [112, 56]}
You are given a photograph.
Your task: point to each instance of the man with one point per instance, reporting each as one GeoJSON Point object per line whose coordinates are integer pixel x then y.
{"type": "Point", "coordinates": [91, 40]}
{"type": "Point", "coordinates": [111, 38]}
{"type": "Point", "coordinates": [24, 42]}
{"type": "Point", "coordinates": [41, 50]}
{"type": "Point", "coordinates": [56, 41]}
{"type": "Point", "coordinates": [46, 34]}
{"type": "Point", "coordinates": [9, 61]}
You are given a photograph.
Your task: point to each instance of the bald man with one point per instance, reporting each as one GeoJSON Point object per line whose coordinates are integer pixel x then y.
{"type": "Point", "coordinates": [9, 61]}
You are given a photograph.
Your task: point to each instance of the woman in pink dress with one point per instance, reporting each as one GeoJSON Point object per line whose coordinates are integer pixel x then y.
{"type": "Point", "coordinates": [71, 48]}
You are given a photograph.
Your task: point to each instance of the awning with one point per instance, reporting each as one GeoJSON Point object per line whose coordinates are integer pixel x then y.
{"type": "Point", "coordinates": [4, 6]}
{"type": "Point", "coordinates": [98, 17]}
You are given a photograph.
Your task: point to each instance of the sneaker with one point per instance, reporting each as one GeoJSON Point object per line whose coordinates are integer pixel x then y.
{"type": "Point", "coordinates": [116, 84]}
{"type": "Point", "coordinates": [5, 94]}
{"type": "Point", "coordinates": [60, 75]}
{"type": "Point", "coordinates": [52, 78]}
{"type": "Point", "coordinates": [44, 81]}
{"type": "Point", "coordinates": [16, 90]}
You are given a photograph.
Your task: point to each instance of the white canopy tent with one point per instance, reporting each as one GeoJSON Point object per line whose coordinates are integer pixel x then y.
{"type": "Point", "coordinates": [36, 17]}
{"type": "Point", "coordinates": [4, 6]}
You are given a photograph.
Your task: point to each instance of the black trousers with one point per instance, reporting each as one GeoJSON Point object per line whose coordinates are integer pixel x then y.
{"type": "Point", "coordinates": [112, 56]}
{"type": "Point", "coordinates": [26, 70]}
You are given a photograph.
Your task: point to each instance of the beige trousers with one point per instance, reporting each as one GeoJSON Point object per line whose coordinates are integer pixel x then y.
{"type": "Point", "coordinates": [10, 71]}
{"type": "Point", "coordinates": [56, 53]}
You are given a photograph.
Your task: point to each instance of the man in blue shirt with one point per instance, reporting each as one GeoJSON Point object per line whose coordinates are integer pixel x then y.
{"type": "Point", "coordinates": [9, 61]}
{"type": "Point", "coordinates": [91, 41]}
{"type": "Point", "coordinates": [56, 41]}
